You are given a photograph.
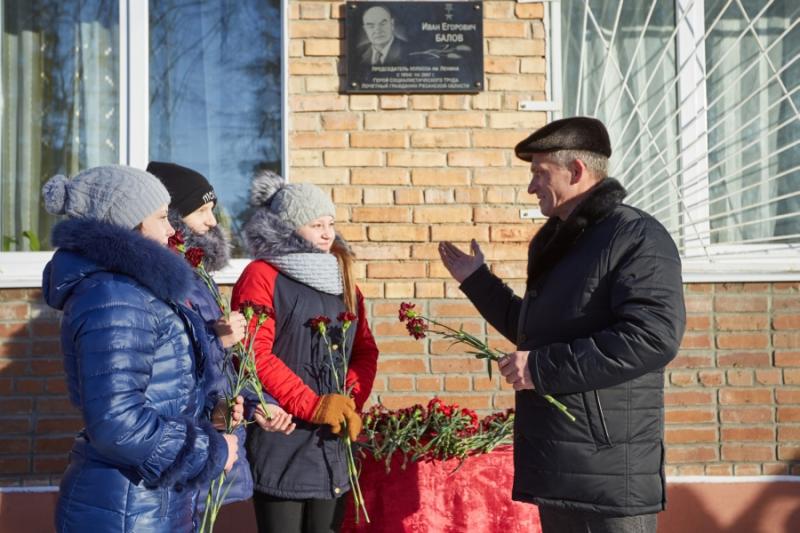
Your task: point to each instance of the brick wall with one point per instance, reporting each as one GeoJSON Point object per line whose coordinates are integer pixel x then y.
{"type": "Point", "coordinates": [407, 171]}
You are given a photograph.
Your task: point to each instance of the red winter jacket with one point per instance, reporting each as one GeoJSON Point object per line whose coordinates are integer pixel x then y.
{"type": "Point", "coordinates": [261, 283]}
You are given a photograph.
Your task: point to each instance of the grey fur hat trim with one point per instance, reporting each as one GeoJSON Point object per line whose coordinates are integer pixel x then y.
{"type": "Point", "coordinates": [296, 204]}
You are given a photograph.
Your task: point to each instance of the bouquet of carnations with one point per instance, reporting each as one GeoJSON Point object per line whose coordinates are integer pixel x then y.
{"type": "Point", "coordinates": [239, 367]}
{"type": "Point", "coordinates": [437, 432]}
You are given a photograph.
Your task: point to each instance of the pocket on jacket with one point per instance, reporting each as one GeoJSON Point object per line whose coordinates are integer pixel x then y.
{"type": "Point", "coordinates": [596, 420]}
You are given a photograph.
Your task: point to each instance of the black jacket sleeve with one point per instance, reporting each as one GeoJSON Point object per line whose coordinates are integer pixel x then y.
{"type": "Point", "coordinates": [494, 300]}
{"type": "Point", "coordinates": [649, 318]}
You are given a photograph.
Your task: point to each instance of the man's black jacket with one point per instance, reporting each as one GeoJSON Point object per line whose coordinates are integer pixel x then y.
{"type": "Point", "coordinates": [602, 316]}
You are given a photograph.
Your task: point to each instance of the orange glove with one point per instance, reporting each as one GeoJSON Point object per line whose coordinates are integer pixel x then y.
{"type": "Point", "coordinates": [336, 409]}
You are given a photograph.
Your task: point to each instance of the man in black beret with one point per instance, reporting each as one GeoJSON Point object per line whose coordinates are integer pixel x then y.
{"type": "Point", "coordinates": [602, 315]}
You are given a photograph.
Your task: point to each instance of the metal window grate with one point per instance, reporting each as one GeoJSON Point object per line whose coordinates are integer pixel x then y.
{"type": "Point", "coordinates": [701, 99]}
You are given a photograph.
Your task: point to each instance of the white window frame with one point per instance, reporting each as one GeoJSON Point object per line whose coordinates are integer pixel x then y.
{"type": "Point", "coordinates": [24, 269]}
{"type": "Point", "coordinates": [773, 263]}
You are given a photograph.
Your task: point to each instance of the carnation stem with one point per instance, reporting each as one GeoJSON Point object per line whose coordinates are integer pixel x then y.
{"type": "Point", "coordinates": [484, 352]}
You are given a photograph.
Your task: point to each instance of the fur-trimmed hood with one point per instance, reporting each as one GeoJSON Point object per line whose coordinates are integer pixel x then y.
{"type": "Point", "coordinates": [86, 247]}
{"type": "Point", "coordinates": [266, 236]}
{"type": "Point", "coordinates": [271, 239]}
{"type": "Point", "coordinates": [556, 237]}
{"type": "Point", "coordinates": [215, 244]}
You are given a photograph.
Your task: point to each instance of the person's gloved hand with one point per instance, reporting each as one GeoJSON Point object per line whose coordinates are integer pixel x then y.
{"type": "Point", "coordinates": [333, 410]}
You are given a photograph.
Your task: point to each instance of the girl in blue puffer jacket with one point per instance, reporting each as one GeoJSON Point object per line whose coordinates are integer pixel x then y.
{"type": "Point", "coordinates": [191, 212]}
{"type": "Point", "coordinates": [133, 356]}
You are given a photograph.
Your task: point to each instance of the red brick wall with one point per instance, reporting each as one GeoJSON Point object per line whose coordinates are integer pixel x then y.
{"type": "Point", "coordinates": [407, 171]}
{"type": "Point", "coordinates": [733, 393]}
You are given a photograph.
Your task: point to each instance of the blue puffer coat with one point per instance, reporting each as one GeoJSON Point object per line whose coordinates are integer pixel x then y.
{"type": "Point", "coordinates": [239, 479]}
{"type": "Point", "coordinates": [137, 378]}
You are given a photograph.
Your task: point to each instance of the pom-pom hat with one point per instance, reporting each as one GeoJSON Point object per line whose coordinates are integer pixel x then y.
{"type": "Point", "coordinates": [117, 194]}
{"type": "Point", "coordinates": [297, 204]}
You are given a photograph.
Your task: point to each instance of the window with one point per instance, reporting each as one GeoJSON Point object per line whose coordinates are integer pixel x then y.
{"type": "Point", "coordinates": [94, 82]}
{"type": "Point", "coordinates": [215, 97]}
{"type": "Point", "coordinates": [60, 107]}
{"type": "Point", "coordinates": [701, 100]}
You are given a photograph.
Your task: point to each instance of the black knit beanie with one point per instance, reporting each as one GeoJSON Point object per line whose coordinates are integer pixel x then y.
{"type": "Point", "coordinates": [189, 189]}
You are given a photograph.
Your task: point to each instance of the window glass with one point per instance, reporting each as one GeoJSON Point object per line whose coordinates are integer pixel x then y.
{"type": "Point", "coordinates": [60, 105]}
{"type": "Point", "coordinates": [754, 123]}
{"type": "Point", "coordinates": [618, 66]}
{"type": "Point", "coordinates": [215, 93]}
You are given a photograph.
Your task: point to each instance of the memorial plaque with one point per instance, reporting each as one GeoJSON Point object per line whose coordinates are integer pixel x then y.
{"type": "Point", "coordinates": [414, 47]}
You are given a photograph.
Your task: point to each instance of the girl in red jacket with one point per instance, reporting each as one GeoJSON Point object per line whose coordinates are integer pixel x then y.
{"type": "Point", "coordinates": [303, 270]}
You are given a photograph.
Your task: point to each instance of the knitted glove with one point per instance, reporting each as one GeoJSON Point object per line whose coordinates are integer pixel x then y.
{"type": "Point", "coordinates": [333, 410]}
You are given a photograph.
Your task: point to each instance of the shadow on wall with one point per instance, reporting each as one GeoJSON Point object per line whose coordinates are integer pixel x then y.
{"type": "Point", "coordinates": [772, 507]}
{"type": "Point", "coordinates": [37, 422]}
{"type": "Point", "coordinates": [36, 409]}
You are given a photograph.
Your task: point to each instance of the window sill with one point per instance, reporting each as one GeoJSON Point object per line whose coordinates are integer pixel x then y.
{"type": "Point", "coordinates": [24, 270]}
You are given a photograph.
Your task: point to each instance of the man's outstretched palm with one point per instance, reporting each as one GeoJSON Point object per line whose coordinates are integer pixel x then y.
{"type": "Point", "coordinates": [460, 264]}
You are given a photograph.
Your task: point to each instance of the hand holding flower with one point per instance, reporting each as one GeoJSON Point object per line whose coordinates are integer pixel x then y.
{"type": "Point", "coordinates": [514, 367]}
{"type": "Point", "coordinates": [233, 451]}
{"type": "Point", "coordinates": [230, 330]}
{"type": "Point", "coordinates": [274, 419]}
{"type": "Point", "coordinates": [222, 411]}
{"type": "Point", "coordinates": [337, 410]}
{"type": "Point", "coordinates": [418, 326]}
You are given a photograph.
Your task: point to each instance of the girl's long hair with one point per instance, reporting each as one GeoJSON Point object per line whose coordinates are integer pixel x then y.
{"type": "Point", "coordinates": [346, 259]}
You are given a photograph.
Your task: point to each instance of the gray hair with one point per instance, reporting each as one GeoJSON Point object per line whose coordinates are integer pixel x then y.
{"type": "Point", "coordinates": [596, 163]}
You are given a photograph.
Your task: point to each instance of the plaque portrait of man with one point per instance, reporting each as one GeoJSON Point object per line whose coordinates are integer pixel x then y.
{"type": "Point", "coordinates": [384, 46]}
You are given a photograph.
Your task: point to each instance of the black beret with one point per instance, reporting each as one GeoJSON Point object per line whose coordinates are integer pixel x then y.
{"type": "Point", "coordinates": [188, 189]}
{"type": "Point", "coordinates": [574, 133]}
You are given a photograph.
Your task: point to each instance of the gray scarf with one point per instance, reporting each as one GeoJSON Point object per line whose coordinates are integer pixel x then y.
{"type": "Point", "coordinates": [320, 271]}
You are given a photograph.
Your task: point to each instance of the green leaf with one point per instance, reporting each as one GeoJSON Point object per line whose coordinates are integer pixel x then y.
{"type": "Point", "coordinates": [489, 368]}
{"type": "Point", "coordinates": [7, 242]}
{"type": "Point", "coordinates": [35, 245]}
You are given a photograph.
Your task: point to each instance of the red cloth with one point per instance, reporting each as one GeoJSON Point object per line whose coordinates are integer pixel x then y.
{"type": "Point", "coordinates": [430, 497]}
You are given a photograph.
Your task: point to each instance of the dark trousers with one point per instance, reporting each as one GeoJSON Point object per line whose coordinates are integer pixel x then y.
{"type": "Point", "coordinates": [555, 520]}
{"type": "Point", "coordinates": [278, 515]}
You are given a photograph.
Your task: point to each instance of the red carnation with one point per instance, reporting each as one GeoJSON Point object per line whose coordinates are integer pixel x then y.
{"type": "Point", "coordinates": [407, 311]}
{"type": "Point", "coordinates": [176, 240]}
{"type": "Point", "coordinates": [320, 323]}
{"type": "Point", "coordinates": [416, 328]}
{"type": "Point", "coordinates": [346, 316]}
{"type": "Point", "coordinates": [434, 403]}
{"type": "Point", "coordinates": [194, 256]}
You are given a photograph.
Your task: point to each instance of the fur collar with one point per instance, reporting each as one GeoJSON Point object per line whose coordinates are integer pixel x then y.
{"type": "Point", "coordinates": [128, 252]}
{"type": "Point", "coordinates": [556, 237]}
{"type": "Point", "coordinates": [267, 236]}
{"type": "Point", "coordinates": [215, 244]}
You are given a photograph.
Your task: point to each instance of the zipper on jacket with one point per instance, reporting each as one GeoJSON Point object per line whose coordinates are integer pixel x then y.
{"type": "Point", "coordinates": [602, 417]}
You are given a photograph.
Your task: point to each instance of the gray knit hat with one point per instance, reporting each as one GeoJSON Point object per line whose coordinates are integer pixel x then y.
{"type": "Point", "coordinates": [121, 195]}
{"type": "Point", "coordinates": [297, 204]}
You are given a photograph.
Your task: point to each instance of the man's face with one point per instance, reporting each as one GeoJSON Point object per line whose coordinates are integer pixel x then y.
{"type": "Point", "coordinates": [551, 182]}
{"type": "Point", "coordinates": [201, 220]}
{"type": "Point", "coordinates": [379, 26]}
